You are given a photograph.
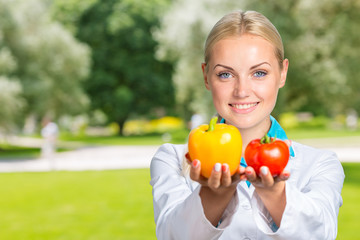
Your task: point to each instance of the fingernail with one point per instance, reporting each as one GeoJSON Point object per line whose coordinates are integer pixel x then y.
{"type": "Point", "coordinates": [217, 167]}
{"type": "Point", "coordinates": [264, 171]}
{"type": "Point", "coordinates": [195, 163]}
{"type": "Point", "coordinates": [224, 167]}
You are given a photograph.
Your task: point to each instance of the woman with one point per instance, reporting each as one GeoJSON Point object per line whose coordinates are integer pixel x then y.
{"type": "Point", "coordinates": [244, 69]}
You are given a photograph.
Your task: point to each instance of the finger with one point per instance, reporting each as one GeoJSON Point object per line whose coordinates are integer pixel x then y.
{"type": "Point", "coordinates": [188, 159]}
{"type": "Point", "coordinates": [241, 172]}
{"type": "Point", "coordinates": [288, 142]}
{"type": "Point", "coordinates": [266, 177]}
{"type": "Point", "coordinates": [225, 176]}
{"type": "Point", "coordinates": [250, 174]}
{"type": "Point", "coordinates": [285, 175]}
{"type": "Point", "coordinates": [215, 177]}
{"type": "Point", "coordinates": [195, 170]}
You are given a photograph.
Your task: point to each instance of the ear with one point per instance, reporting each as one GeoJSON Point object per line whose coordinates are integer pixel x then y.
{"type": "Point", "coordinates": [203, 67]}
{"type": "Point", "coordinates": [284, 71]}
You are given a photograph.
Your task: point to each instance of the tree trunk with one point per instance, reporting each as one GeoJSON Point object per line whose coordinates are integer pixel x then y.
{"type": "Point", "coordinates": [121, 124]}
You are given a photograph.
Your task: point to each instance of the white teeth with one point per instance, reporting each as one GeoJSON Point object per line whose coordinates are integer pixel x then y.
{"type": "Point", "coordinates": [244, 106]}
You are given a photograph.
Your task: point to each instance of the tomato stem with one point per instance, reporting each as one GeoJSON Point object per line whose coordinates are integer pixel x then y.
{"type": "Point", "coordinates": [266, 139]}
{"type": "Point", "coordinates": [212, 124]}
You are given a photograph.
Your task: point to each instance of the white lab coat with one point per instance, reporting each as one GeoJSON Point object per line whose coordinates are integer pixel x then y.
{"type": "Point", "coordinates": [313, 195]}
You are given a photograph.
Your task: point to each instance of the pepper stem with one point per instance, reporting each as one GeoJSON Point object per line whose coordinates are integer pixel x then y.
{"type": "Point", "coordinates": [212, 124]}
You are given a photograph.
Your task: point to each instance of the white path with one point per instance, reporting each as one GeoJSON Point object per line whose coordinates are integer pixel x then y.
{"type": "Point", "coordinates": [92, 158]}
{"type": "Point", "coordinates": [116, 157]}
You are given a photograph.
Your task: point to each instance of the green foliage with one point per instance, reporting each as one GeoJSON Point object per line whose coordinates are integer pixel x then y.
{"type": "Point", "coordinates": [43, 62]}
{"type": "Point", "coordinates": [11, 102]}
{"type": "Point", "coordinates": [291, 120]}
{"type": "Point", "coordinates": [126, 77]}
{"type": "Point", "coordinates": [182, 35]}
{"type": "Point", "coordinates": [68, 12]}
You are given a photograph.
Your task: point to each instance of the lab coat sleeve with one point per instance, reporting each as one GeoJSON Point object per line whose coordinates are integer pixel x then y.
{"type": "Point", "coordinates": [311, 211]}
{"type": "Point", "coordinates": [178, 210]}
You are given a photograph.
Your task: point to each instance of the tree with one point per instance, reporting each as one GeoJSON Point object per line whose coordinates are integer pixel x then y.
{"type": "Point", "coordinates": [10, 101]}
{"type": "Point", "coordinates": [45, 62]}
{"type": "Point", "coordinates": [320, 39]}
{"type": "Point", "coordinates": [126, 78]}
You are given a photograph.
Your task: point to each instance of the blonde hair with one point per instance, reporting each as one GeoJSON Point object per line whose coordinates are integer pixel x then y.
{"type": "Point", "coordinates": [249, 22]}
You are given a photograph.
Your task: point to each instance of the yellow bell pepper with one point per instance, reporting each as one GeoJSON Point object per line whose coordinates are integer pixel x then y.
{"type": "Point", "coordinates": [215, 143]}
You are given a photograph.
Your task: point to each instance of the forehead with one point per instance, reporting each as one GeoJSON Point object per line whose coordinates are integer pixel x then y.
{"type": "Point", "coordinates": [246, 47]}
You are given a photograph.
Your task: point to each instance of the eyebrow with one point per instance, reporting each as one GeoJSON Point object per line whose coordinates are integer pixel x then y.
{"type": "Point", "coordinates": [230, 68]}
{"type": "Point", "coordinates": [224, 66]}
{"type": "Point", "coordinates": [257, 65]}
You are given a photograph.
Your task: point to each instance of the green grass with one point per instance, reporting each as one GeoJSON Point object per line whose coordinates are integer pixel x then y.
{"type": "Point", "coordinates": [180, 136]}
{"type": "Point", "coordinates": [16, 152]}
{"type": "Point", "coordinates": [76, 205]}
{"type": "Point", "coordinates": [320, 133]}
{"type": "Point", "coordinates": [348, 215]}
{"type": "Point", "coordinates": [116, 140]}
{"type": "Point", "coordinates": [107, 205]}
{"type": "Point", "coordinates": [10, 152]}
{"type": "Point", "coordinates": [177, 136]}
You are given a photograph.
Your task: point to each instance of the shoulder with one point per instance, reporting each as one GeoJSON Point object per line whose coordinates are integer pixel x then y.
{"type": "Point", "coordinates": [310, 161]}
{"type": "Point", "coordinates": [310, 154]}
{"type": "Point", "coordinates": [168, 150]}
{"type": "Point", "coordinates": [168, 157]}
{"type": "Point", "coordinates": [305, 150]}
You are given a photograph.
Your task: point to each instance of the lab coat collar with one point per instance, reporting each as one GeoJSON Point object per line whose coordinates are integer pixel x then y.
{"type": "Point", "coordinates": [277, 131]}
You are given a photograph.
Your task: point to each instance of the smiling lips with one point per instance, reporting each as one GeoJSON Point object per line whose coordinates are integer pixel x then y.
{"type": "Point", "coordinates": [247, 107]}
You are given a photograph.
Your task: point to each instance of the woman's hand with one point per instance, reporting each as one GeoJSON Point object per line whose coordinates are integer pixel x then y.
{"type": "Point", "coordinates": [270, 189]}
{"type": "Point", "coordinates": [217, 190]}
{"type": "Point", "coordinates": [220, 179]}
{"type": "Point", "coordinates": [266, 181]}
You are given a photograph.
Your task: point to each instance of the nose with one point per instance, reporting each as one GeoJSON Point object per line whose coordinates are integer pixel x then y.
{"type": "Point", "coordinates": [242, 88]}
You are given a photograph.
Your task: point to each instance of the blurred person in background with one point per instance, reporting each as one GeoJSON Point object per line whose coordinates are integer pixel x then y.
{"type": "Point", "coordinates": [196, 120]}
{"type": "Point", "coordinates": [49, 132]}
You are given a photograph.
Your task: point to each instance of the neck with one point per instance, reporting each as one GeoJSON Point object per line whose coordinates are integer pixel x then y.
{"type": "Point", "coordinates": [255, 132]}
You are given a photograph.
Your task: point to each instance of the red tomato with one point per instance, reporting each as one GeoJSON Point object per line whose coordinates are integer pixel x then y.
{"type": "Point", "coordinates": [272, 153]}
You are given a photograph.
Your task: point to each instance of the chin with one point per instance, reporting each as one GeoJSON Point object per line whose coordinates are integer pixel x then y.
{"type": "Point", "coordinates": [246, 122]}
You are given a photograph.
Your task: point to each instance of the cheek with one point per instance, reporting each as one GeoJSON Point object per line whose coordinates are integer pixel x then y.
{"type": "Point", "coordinates": [220, 92]}
{"type": "Point", "coordinates": [217, 95]}
{"type": "Point", "coordinates": [220, 95]}
{"type": "Point", "coordinates": [269, 93]}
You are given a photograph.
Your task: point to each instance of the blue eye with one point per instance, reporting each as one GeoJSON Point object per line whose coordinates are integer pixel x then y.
{"type": "Point", "coordinates": [225, 75]}
{"type": "Point", "coordinates": [260, 74]}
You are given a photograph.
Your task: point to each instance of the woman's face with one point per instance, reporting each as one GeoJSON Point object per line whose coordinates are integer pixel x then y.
{"type": "Point", "coordinates": [244, 77]}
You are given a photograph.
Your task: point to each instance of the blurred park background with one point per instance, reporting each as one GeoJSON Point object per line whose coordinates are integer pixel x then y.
{"type": "Point", "coordinates": [127, 73]}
